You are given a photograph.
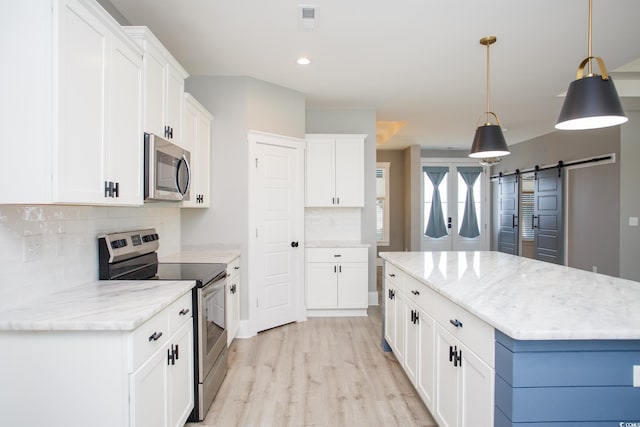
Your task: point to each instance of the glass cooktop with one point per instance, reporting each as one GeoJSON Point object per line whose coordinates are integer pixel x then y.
{"type": "Point", "coordinates": [201, 273]}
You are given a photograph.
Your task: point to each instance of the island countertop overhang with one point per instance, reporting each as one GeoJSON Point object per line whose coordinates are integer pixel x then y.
{"type": "Point", "coordinates": [528, 299]}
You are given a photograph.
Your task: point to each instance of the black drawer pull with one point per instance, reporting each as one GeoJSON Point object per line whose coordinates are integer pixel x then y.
{"type": "Point", "coordinates": [415, 292]}
{"type": "Point", "coordinates": [155, 337]}
{"type": "Point", "coordinates": [392, 275]}
{"type": "Point", "coordinates": [184, 311]}
{"type": "Point", "coordinates": [456, 323]}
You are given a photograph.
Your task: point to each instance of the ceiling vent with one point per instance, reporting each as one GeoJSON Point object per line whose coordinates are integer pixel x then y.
{"type": "Point", "coordinates": [307, 17]}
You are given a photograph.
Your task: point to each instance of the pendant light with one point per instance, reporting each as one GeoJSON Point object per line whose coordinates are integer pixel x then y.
{"type": "Point", "coordinates": [592, 100]}
{"type": "Point", "coordinates": [488, 141]}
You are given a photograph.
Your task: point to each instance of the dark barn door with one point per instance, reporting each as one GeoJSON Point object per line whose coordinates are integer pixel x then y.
{"type": "Point", "coordinates": [547, 221]}
{"type": "Point", "coordinates": [508, 225]}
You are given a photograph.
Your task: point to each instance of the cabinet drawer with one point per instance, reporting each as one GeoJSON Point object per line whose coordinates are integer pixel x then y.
{"type": "Point", "coordinates": [420, 294]}
{"type": "Point", "coordinates": [473, 332]}
{"type": "Point", "coordinates": [394, 275]}
{"type": "Point", "coordinates": [180, 312]}
{"type": "Point", "coordinates": [147, 338]}
{"type": "Point", "coordinates": [337, 255]}
{"type": "Point", "coordinates": [233, 268]}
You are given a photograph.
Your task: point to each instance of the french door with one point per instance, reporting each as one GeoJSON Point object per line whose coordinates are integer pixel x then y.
{"type": "Point", "coordinates": [454, 206]}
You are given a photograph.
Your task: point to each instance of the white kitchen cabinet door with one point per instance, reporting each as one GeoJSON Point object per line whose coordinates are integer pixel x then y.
{"type": "Point", "coordinates": [196, 138]}
{"type": "Point", "coordinates": [447, 384]}
{"type": "Point", "coordinates": [163, 88]}
{"type": "Point", "coordinates": [412, 341]}
{"type": "Point", "coordinates": [148, 392]}
{"type": "Point", "coordinates": [180, 377]}
{"type": "Point", "coordinates": [320, 172]}
{"type": "Point", "coordinates": [154, 91]}
{"type": "Point", "coordinates": [83, 67]}
{"type": "Point", "coordinates": [335, 170]}
{"type": "Point", "coordinates": [391, 299]}
{"type": "Point", "coordinates": [174, 102]}
{"type": "Point", "coordinates": [476, 391]}
{"type": "Point", "coordinates": [399, 342]}
{"type": "Point", "coordinates": [349, 172]}
{"type": "Point", "coordinates": [124, 154]}
{"type": "Point", "coordinates": [353, 285]}
{"type": "Point", "coordinates": [425, 379]}
{"type": "Point", "coordinates": [322, 286]}
{"type": "Point", "coordinates": [232, 301]}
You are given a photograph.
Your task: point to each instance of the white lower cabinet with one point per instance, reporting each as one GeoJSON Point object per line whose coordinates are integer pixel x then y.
{"type": "Point", "coordinates": [337, 279]}
{"type": "Point", "coordinates": [102, 378]}
{"type": "Point", "coordinates": [232, 302]}
{"type": "Point", "coordinates": [445, 351]}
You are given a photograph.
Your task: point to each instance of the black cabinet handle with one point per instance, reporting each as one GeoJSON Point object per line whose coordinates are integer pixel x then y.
{"type": "Point", "coordinates": [176, 352]}
{"type": "Point", "coordinates": [416, 319]}
{"type": "Point", "coordinates": [155, 337]}
{"type": "Point", "coordinates": [451, 354]}
{"type": "Point", "coordinates": [415, 292]}
{"type": "Point", "coordinates": [392, 275]}
{"type": "Point", "coordinates": [116, 190]}
{"type": "Point", "coordinates": [449, 222]}
{"type": "Point", "coordinates": [333, 201]}
{"type": "Point", "coordinates": [413, 316]}
{"type": "Point", "coordinates": [171, 358]}
{"type": "Point", "coordinates": [456, 323]}
{"type": "Point", "coordinates": [337, 200]}
{"type": "Point", "coordinates": [236, 268]}
{"type": "Point", "coordinates": [184, 311]}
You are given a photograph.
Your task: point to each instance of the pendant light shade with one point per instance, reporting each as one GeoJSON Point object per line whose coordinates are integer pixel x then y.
{"type": "Point", "coordinates": [489, 141]}
{"type": "Point", "coordinates": [592, 100]}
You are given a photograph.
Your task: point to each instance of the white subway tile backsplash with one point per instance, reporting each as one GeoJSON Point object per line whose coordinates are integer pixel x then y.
{"type": "Point", "coordinates": [322, 224]}
{"type": "Point", "coordinates": [67, 255]}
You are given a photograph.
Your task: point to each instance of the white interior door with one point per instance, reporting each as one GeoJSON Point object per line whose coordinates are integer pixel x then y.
{"type": "Point", "coordinates": [451, 220]}
{"type": "Point", "coordinates": [278, 247]}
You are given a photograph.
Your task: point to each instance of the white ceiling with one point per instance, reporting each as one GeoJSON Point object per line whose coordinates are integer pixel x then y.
{"type": "Point", "coordinates": [418, 61]}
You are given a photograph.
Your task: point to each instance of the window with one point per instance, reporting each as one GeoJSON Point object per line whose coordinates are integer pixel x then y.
{"type": "Point", "coordinates": [382, 203]}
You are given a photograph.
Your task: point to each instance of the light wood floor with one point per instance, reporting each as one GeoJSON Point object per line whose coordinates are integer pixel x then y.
{"type": "Point", "coordinates": [322, 372]}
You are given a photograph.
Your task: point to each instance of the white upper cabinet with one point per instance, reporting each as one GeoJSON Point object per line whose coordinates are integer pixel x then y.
{"type": "Point", "coordinates": [163, 87]}
{"type": "Point", "coordinates": [72, 106]}
{"type": "Point", "coordinates": [335, 170]}
{"type": "Point", "coordinates": [196, 137]}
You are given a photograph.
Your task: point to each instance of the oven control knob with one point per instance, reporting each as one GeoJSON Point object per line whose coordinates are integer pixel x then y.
{"type": "Point", "coordinates": [121, 243]}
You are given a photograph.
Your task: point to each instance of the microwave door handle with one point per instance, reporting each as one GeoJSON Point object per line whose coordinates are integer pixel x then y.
{"type": "Point", "coordinates": [186, 164]}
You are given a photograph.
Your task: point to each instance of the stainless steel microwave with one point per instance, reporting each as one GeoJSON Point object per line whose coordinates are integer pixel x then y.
{"type": "Point", "coordinates": [167, 172]}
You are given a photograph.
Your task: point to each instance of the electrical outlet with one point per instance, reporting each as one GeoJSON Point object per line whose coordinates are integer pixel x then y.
{"type": "Point", "coordinates": [633, 221]}
{"type": "Point", "coordinates": [594, 268]}
{"type": "Point", "coordinates": [636, 375]}
{"type": "Point", "coordinates": [32, 248]}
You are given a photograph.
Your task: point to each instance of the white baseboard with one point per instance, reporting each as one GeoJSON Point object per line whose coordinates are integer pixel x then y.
{"type": "Point", "coordinates": [244, 330]}
{"type": "Point", "coordinates": [373, 298]}
{"type": "Point", "coordinates": [337, 313]}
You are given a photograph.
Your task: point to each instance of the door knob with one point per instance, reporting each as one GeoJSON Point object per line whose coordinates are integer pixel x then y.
{"type": "Point", "coordinates": [294, 244]}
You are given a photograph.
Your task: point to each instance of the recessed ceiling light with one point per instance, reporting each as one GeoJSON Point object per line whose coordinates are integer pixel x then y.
{"type": "Point", "coordinates": [303, 61]}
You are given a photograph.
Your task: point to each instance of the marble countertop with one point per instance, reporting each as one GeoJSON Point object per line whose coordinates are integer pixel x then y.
{"type": "Point", "coordinates": [98, 306]}
{"type": "Point", "coordinates": [225, 256]}
{"type": "Point", "coordinates": [528, 299]}
{"type": "Point", "coordinates": [335, 244]}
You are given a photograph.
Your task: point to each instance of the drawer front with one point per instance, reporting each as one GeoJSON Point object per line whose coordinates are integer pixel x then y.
{"type": "Point", "coordinates": [233, 268]}
{"type": "Point", "coordinates": [420, 294]}
{"type": "Point", "coordinates": [180, 312]}
{"type": "Point", "coordinates": [476, 334]}
{"type": "Point", "coordinates": [337, 255]}
{"type": "Point", "coordinates": [393, 274]}
{"type": "Point", "coordinates": [147, 338]}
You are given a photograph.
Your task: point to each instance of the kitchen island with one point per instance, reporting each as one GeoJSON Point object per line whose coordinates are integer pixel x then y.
{"type": "Point", "coordinates": [552, 345]}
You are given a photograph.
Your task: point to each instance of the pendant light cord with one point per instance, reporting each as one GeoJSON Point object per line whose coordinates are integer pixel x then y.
{"type": "Point", "coordinates": [590, 70]}
{"type": "Point", "coordinates": [488, 78]}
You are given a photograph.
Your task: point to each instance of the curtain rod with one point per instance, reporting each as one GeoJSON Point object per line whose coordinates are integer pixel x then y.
{"type": "Point", "coordinates": [560, 165]}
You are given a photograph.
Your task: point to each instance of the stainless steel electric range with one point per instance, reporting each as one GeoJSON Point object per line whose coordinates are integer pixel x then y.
{"type": "Point", "coordinates": [132, 255]}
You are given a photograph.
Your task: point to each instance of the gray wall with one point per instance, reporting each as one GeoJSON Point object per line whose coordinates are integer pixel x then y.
{"type": "Point", "coordinates": [238, 104]}
{"type": "Point", "coordinates": [630, 197]}
{"type": "Point", "coordinates": [593, 206]}
{"type": "Point", "coordinates": [361, 121]}
{"type": "Point", "coordinates": [395, 199]}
